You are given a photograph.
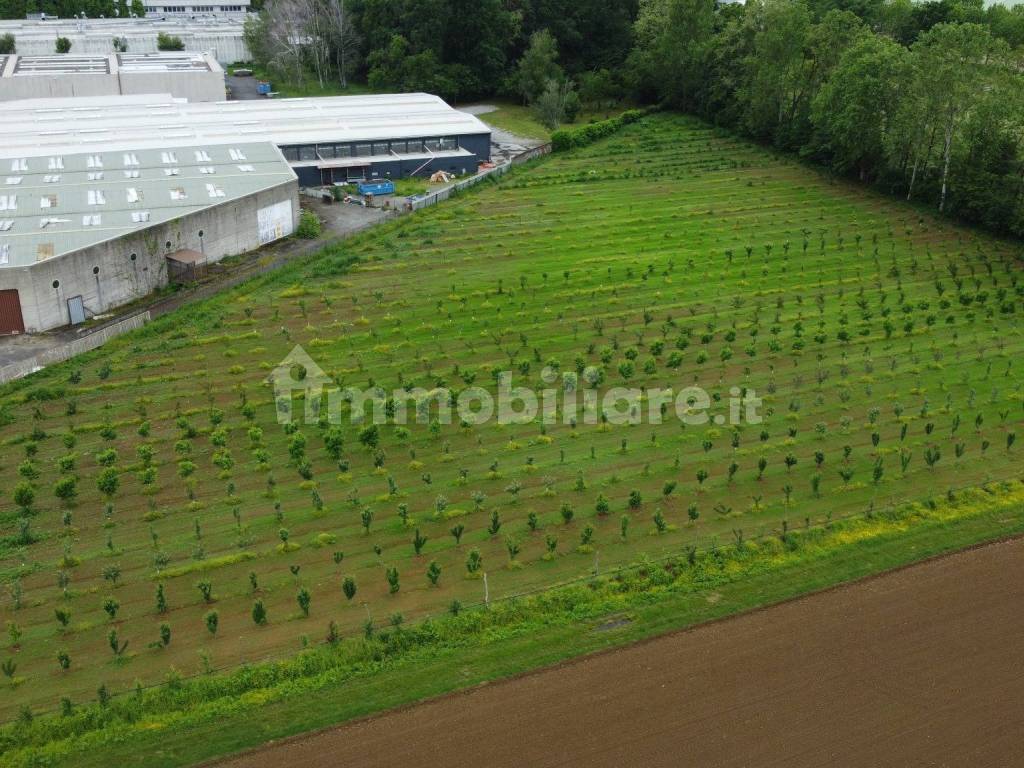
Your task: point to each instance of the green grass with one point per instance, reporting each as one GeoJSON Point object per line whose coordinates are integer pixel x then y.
{"type": "Point", "coordinates": [846, 302]}
{"type": "Point", "coordinates": [521, 120]}
{"type": "Point", "coordinates": [289, 89]}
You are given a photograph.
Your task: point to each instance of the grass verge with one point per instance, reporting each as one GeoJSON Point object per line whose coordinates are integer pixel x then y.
{"type": "Point", "coordinates": [189, 721]}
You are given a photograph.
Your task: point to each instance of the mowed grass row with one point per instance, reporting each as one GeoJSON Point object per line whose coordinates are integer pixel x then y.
{"type": "Point", "coordinates": [882, 341]}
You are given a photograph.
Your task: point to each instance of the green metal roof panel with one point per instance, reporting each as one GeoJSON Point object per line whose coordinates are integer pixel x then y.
{"type": "Point", "coordinates": [47, 203]}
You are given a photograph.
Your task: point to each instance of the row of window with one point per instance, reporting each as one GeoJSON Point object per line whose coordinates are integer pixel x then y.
{"type": "Point", "coordinates": [312, 153]}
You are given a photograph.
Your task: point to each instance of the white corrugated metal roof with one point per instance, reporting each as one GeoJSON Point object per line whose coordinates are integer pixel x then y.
{"type": "Point", "coordinates": [56, 204]}
{"type": "Point", "coordinates": [40, 126]}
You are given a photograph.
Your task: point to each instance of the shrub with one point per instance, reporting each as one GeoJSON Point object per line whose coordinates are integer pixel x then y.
{"type": "Point", "coordinates": [63, 45]}
{"type": "Point", "coordinates": [259, 613]}
{"type": "Point", "coordinates": [573, 138]}
{"type": "Point", "coordinates": [309, 227]}
{"type": "Point", "coordinates": [165, 42]}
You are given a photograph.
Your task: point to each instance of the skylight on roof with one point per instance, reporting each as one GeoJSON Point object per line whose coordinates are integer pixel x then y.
{"type": "Point", "coordinates": [5, 252]}
{"type": "Point", "coordinates": [236, 154]}
{"type": "Point", "coordinates": [131, 174]}
{"type": "Point", "coordinates": [91, 220]}
{"type": "Point", "coordinates": [56, 164]}
{"type": "Point", "coordinates": [51, 178]}
{"type": "Point", "coordinates": [132, 195]}
{"type": "Point", "coordinates": [178, 193]}
{"type": "Point", "coordinates": [12, 180]}
{"type": "Point", "coordinates": [214, 191]}
{"type": "Point", "coordinates": [246, 168]}
{"type": "Point", "coordinates": [8, 202]}
{"type": "Point", "coordinates": [140, 216]}
{"type": "Point", "coordinates": [130, 159]}
{"type": "Point", "coordinates": [207, 169]}
{"type": "Point", "coordinates": [95, 175]}
{"type": "Point", "coordinates": [171, 171]}
{"type": "Point", "coordinates": [5, 225]}
{"type": "Point", "coordinates": [202, 156]}
{"type": "Point", "coordinates": [48, 201]}
{"type": "Point", "coordinates": [96, 197]}
{"type": "Point", "coordinates": [19, 164]}
{"type": "Point", "coordinates": [94, 161]}
{"type": "Point", "coordinates": [168, 158]}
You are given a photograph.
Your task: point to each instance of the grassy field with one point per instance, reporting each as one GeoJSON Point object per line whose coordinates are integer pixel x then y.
{"type": "Point", "coordinates": [521, 120]}
{"type": "Point", "coordinates": [881, 339]}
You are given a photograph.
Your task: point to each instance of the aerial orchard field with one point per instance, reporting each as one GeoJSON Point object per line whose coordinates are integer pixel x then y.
{"type": "Point", "coordinates": [157, 519]}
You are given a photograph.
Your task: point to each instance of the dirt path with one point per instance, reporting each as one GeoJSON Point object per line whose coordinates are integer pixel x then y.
{"type": "Point", "coordinates": [921, 667]}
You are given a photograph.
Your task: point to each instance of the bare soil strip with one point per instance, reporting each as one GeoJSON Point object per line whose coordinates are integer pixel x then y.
{"type": "Point", "coordinates": [923, 666]}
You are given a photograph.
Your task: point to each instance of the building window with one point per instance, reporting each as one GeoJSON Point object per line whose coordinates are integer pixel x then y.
{"type": "Point", "coordinates": [414, 147]}
{"type": "Point", "coordinates": [306, 154]}
{"type": "Point", "coordinates": [363, 150]}
{"type": "Point", "coordinates": [380, 148]}
{"type": "Point", "coordinates": [291, 154]}
{"type": "Point", "coordinates": [449, 144]}
{"type": "Point", "coordinates": [432, 145]}
{"type": "Point", "coordinates": [342, 150]}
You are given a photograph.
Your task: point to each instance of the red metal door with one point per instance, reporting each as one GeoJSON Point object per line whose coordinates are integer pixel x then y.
{"type": "Point", "coordinates": [10, 312]}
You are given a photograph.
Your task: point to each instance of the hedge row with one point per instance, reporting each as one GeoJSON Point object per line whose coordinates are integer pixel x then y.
{"type": "Point", "coordinates": [572, 138]}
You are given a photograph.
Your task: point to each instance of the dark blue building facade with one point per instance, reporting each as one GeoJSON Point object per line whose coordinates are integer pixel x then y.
{"type": "Point", "coordinates": [331, 163]}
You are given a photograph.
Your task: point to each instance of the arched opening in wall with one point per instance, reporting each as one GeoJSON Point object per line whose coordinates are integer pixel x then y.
{"type": "Point", "coordinates": [96, 270]}
{"type": "Point", "coordinates": [133, 256]}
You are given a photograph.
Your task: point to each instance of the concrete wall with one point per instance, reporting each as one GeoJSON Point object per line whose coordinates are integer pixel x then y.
{"type": "Point", "coordinates": [228, 229]}
{"type": "Point", "coordinates": [194, 86]}
{"type": "Point", "coordinates": [226, 47]}
{"type": "Point", "coordinates": [197, 85]}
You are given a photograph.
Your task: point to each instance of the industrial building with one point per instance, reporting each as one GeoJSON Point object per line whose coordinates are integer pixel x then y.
{"type": "Point", "coordinates": [325, 140]}
{"type": "Point", "coordinates": [160, 9]}
{"type": "Point", "coordinates": [196, 77]}
{"type": "Point", "coordinates": [222, 38]}
{"type": "Point", "coordinates": [84, 232]}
